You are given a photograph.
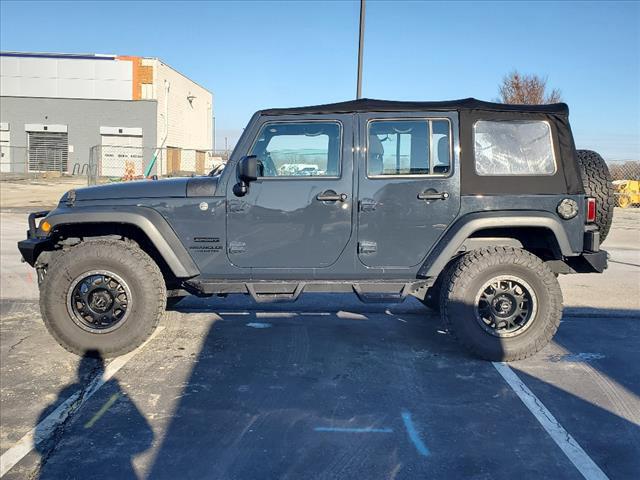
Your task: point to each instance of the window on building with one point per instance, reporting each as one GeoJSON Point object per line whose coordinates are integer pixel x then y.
{"type": "Point", "coordinates": [409, 147]}
{"type": "Point", "coordinates": [513, 148]}
{"type": "Point", "coordinates": [297, 149]}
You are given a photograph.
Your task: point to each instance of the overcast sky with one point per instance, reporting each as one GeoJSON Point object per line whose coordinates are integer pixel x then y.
{"type": "Point", "coordinates": [255, 55]}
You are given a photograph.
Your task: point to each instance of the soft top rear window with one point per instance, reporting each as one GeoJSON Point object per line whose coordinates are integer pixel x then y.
{"type": "Point", "coordinates": [513, 147]}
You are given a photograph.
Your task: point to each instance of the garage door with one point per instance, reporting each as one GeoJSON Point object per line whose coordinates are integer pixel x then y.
{"type": "Point", "coordinates": [48, 151]}
{"type": "Point", "coordinates": [120, 151]}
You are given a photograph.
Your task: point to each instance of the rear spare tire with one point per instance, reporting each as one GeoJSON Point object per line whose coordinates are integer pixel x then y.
{"type": "Point", "coordinates": [102, 296]}
{"type": "Point", "coordinates": [597, 184]}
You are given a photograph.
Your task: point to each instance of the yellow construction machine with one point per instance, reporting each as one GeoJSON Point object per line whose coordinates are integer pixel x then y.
{"type": "Point", "coordinates": [627, 193]}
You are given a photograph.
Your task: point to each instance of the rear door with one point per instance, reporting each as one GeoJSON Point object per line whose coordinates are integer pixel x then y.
{"type": "Point", "coordinates": [298, 214]}
{"type": "Point", "coordinates": [408, 185]}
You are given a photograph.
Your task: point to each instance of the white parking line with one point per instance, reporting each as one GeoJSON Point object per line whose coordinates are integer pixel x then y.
{"type": "Point", "coordinates": [563, 439]}
{"type": "Point", "coordinates": [46, 427]}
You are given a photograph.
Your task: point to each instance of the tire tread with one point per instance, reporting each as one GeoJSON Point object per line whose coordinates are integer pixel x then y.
{"type": "Point", "coordinates": [597, 183]}
{"type": "Point", "coordinates": [101, 248]}
{"type": "Point", "coordinates": [473, 263]}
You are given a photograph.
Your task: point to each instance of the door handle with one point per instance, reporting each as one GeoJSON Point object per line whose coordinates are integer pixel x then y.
{"type": "Point", "coordinates": [331, 196]}
{"type": "Point", "coordinates": [432, 195]}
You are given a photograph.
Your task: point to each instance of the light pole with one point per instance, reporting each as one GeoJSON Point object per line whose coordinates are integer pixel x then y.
{"type": "Point", "coordinates": [360, 49]}
{"type": "Point", "coordinates": [213, 143]}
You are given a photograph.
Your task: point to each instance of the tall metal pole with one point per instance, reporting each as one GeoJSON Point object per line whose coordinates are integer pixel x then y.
{"type": "Point", "coordinates": [360, 49]}
{"type": "Point", "coordinates": [213, 143]}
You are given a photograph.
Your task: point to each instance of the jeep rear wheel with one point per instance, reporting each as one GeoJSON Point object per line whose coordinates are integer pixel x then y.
{"type": "Point", "coordinates": [104, 296]}
{"type": "Point", "coordinates": [597, 184]}
{"type": "Point", "coordinates": [501, 303]}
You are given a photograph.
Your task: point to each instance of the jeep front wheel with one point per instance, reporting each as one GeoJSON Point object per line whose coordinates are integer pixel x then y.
{"type": "Point", "coordinates": [501, 303]}
{"type": "Point", "coordinates": [103, 296]}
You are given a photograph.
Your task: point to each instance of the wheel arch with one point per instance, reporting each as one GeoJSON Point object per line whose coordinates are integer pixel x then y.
{"type": "Point", "coordinates": [538, 232]}
{"type": "Point", "coordinates": [143, 225]}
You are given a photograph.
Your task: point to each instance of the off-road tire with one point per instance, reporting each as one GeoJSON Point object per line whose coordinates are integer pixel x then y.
{"type": "Point", "coordinates": [463, 282]}
{"type": "Point", "coordinates": [597, 183]}
{"type": "Point", "coordinates": [130, 263]}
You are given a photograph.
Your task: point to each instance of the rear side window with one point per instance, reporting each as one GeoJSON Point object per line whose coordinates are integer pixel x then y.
{"type": "Point", "coordinates": [408, 147]}
{"type": "Point", "coordinates": [297, 149]}
{"type": "Point", "coordinates": [513, 148]}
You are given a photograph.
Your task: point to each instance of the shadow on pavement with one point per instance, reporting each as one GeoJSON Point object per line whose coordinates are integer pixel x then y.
{"type": "Point", "coordinates": [611, 441]}
{"type": "Point", "coordinates": [93, 447]}
{"type": "Point", "coordinates": [277, 392]}
{"type": "Point", "coordinates": [264, 384]}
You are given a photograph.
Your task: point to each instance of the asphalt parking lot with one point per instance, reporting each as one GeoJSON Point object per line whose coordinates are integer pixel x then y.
{"type": "Point", "coordinates": [326, 387]}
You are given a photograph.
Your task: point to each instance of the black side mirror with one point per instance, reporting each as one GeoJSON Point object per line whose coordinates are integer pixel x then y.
{"type": "Point", "coordinates": [247, 173]}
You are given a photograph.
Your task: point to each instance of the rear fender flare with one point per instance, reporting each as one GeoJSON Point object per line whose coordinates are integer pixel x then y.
{"type": "Point", "coordinates": [453, 240]}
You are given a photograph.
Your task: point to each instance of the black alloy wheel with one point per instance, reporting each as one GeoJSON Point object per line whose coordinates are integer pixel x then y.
{"type": "Point", "coordinates": [99, 301]}
{"type": "Point", "coordinates": [505, 306]}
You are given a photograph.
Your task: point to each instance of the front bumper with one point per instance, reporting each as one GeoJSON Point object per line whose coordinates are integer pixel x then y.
{"type": "Point", "coordinates": [34, 244]}
{"type": "Point", "coordinates": [31, 248]}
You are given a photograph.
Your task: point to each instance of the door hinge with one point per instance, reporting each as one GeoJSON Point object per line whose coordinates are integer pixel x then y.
{"type": "Point", "coordinates": [367, 248]}
{"type": "Point", "coordinates": [236, 206]}
{"type": "Point", "coordinates": [237, 247]}
{"type": "Point", "coordinates": [367, 205]}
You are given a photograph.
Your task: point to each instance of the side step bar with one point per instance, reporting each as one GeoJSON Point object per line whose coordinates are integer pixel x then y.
{"type": "Point", "coordinates": [274, 291]}
{"type": "Point", "coordinates": [273, 296]}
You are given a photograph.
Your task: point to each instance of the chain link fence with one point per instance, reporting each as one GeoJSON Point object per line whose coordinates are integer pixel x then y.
{"type": "Point", "coordinates": [105, 163]}
{"type": "Point", "coordinates": [34, 164]}
{"type": "Point", "coordinates": [114, 163]}
{"type": "Point", "coordinates": [626, 182]}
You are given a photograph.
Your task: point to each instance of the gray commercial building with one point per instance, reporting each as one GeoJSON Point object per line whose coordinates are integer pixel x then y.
{"type": "Point", "coordinates": [57, 111]}
{"type": "Point", "coordinates": [61, 132]}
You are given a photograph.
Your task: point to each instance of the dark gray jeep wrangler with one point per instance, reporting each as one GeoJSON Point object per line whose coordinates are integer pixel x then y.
{"type": "Point", "coordinates": [472, 207]}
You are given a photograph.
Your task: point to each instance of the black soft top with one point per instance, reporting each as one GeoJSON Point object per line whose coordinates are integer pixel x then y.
{"type": "Point", "coordinates": [566, 179]}
{"type": "Point", "coordinates": [373, 105]}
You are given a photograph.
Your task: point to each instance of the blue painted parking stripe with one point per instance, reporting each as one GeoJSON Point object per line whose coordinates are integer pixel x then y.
{"type": "Point", "coordinates": [413, 435]}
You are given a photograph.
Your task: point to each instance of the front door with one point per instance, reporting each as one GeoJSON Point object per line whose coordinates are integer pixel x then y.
{"type": "Point", "coordinates": [298, 213]}
{"type": "Point", "coordinates": [408, 185]}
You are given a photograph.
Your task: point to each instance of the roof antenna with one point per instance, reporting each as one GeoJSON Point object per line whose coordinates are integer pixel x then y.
{"type": "Point", "coordinates": [360, 50]}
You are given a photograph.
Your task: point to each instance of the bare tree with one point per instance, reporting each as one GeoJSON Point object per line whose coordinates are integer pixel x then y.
{"type": "Point", "coordinates": [527, 89]}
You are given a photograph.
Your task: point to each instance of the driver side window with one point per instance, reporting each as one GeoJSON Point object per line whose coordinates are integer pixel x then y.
{"type": "Point", "coordinates": [299, 149]}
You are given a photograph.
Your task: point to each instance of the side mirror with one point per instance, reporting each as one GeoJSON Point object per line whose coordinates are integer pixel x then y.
{"type": "Point", "coordinates": [247, 173]}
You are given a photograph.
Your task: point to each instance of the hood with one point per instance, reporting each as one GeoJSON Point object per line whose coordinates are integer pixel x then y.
{"type": "Point", "coordinates": [173, 187]}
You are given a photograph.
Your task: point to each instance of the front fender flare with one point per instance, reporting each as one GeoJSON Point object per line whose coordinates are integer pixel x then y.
{"type": "Point", "coordinates": [148, 220]}
{"type": "Point", "coordinates": [450, 243]}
